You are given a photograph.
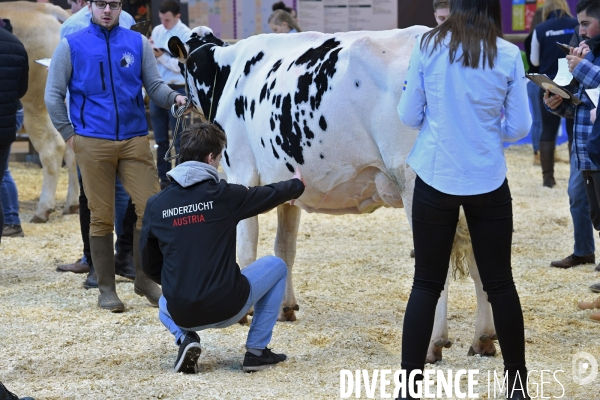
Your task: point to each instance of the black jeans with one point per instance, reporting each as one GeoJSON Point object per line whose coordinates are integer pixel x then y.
{"type": "Point", "coordinates": [592, 189]}
{"type": "Point", "coordinates": [434, 219]}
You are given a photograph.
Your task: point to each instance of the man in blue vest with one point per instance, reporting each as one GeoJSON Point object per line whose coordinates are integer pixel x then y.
{"type": "Point", "coordinates": [104, 67]}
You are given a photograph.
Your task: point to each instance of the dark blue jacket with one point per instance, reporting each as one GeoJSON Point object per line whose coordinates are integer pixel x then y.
{"type": "Point", "coordinates": [554, 29]}
{"type": "Point", "coordinates": [107, 76]}
{"type": "Point", "coordinates": [14, 79]}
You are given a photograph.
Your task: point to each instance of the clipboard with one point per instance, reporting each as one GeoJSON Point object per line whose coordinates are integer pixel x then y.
{"type": "Point", "coordinates": [548, 84]}
{"type": "Point", "coordinates": [142, 27]}
{"type": "Point", "coordinates": [44, 61]}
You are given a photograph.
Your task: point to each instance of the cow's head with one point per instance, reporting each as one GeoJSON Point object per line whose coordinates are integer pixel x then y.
{"type": "Point", "coordinates": [204, 78]}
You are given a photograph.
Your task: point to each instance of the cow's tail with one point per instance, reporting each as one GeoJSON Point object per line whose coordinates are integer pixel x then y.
{"type": "Point", "coordinates": [461, 248]}
{"type": "Point", "coordinates": [57, 12]}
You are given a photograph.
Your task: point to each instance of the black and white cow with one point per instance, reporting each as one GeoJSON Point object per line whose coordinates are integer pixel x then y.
{"type": "Point", "coordinates": [325, 103]}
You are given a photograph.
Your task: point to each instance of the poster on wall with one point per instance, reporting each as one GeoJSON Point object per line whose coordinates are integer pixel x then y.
{"type": "Point", "coordinates": [216, 14]}
{"type": "Point", "coordinates": [530, 8]}
{"type": "Point", "coordinates": [332, 16]}
{"type": "Point", "coordinates": [252, 17]}
{"type": "Point", "coordinates": [518, 15]}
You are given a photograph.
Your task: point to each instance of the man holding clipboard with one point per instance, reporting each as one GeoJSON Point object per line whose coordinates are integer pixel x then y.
{"type": "Point", "coordinates": [585, 67]}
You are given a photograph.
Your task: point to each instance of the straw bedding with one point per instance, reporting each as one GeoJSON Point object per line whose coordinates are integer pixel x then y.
{"type": "Point", "coordinates": [352, 277]}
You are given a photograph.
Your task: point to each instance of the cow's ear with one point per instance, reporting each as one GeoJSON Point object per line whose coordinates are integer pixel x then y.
{"type": "Point", "coordinates": [177, 48]}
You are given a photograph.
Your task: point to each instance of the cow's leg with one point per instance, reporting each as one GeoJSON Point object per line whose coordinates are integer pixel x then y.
{"type": "Point", "coordinates": [485, 332]}
{"type": "Point", "coordinates": [72, 202]}
{"type": "Point", "coordinates": [288, 221]}
{"type": "Point", "coordinates": [247, 243]}
{"type": "Point", "coordinates": [51, 148]}
{"type": "Point", "coordinates": [439, 336]}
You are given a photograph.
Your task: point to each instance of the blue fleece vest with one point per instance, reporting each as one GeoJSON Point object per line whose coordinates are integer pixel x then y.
{"type": "Point", "coordinates": [549, 32]}
{"type": "Point", "coordinates": [106, 83]}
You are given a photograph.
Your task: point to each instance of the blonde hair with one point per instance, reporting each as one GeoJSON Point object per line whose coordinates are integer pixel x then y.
{"type": "Point", "coordinates": [556, 5]}
{"type": "Point", "coordinates": [280, 16]}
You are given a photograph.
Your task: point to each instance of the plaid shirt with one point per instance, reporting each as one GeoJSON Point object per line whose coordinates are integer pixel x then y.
{"type": "Point", "coordinates": [587, 73]}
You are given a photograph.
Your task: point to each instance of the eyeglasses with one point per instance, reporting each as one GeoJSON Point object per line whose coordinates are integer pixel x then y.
{"type": "Point", "coordinates": [114, 5]}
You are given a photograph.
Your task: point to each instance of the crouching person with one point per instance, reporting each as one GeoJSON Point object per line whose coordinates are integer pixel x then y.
{"type": "Point", "coordinates": [188, 246]}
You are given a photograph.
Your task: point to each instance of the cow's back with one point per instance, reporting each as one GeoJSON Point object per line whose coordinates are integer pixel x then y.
{"type": "Point", "coordinates": [323, 102]}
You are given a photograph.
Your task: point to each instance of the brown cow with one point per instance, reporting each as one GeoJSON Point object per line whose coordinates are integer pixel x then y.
{"type": "Point", "coordinates": [37, 25]}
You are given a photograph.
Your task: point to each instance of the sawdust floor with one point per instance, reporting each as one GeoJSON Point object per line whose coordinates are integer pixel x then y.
{"type": "Point", "coordinates": [352, 277]}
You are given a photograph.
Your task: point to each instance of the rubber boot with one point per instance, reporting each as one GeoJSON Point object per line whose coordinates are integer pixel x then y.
{"type": "Point", "coordinates": [547, 161]}
{"type": "Point", "coordinates": [143, 286]}
{"type": "Point", "coordinates": [104, 264]}
{"type": "Point", "coordinates": [91, 281]}
{"type": "Point", "coordinates": [516, 388]}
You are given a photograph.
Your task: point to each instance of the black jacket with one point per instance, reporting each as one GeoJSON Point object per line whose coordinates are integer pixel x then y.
{"type": "Point", "coordinates": [188, 241]}
{"type": "Point", "coordinates": [554, 29]}
{"type": "Point", "coordinates": [14, 78]}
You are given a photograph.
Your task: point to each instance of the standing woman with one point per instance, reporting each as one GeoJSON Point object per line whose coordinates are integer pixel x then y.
{"type": "Point", "coordinates": [459, 161]}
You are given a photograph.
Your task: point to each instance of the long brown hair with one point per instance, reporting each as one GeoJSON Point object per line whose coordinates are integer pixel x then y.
{"type": "Point", "coordinates": [560, 6]}
{"type": "Point", "coordinates": [471, 22]}
{"type": "Point", "coordinates": [280, 16]}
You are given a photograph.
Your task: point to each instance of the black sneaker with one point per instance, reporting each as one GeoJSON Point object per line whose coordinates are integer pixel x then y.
{"type": "Point", "coordinates": [258, 363]}
{"type": "Point", "coordinates": [189, 353]}
{"type": "Point", "coordinates": [12, 231]}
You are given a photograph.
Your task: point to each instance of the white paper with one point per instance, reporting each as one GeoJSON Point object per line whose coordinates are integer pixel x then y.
{"type": "Point", "coordinates": [563, 77]}
{"type": "Point", "coordinates": [44, 61]}
{"type": "Point", "coordinates": [594, 94]}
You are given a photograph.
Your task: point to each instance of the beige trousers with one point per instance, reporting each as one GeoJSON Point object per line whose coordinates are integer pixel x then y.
{"type": "Point", "coordinates": [100, 162]}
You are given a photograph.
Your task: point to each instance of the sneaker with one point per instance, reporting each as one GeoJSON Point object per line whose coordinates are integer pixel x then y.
{"type": "Point", "coordinates": [265, 360]}
{"type": "Point", "coordinates": [189, 353]}
{"type": "Point", "coordinates": [12, 231]}
{"type": "Point", "coordinates": [573, 260]}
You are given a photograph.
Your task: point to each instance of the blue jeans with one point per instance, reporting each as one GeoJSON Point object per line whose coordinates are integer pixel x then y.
{"type": "Point", "coordinates": [8, 188]}
{"type": "Point", "coordinates": [267, 277]}
{"type": "Point", "coordinates": [162, 121]}
{"type": "Point", "coordinates": [4, 153]}
{"type": "Point", "coordinates": [583, 231]}
{"type": "Point", "coordinates": [535, 100]}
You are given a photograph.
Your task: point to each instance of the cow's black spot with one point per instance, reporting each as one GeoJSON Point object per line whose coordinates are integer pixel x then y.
{"type": "Point", "coordinates": [237, 81]}
{"type": "Point", "coordinates": [310, 114]}
{"type": "Point", "coordinates": [304, 82]}
{"type": "Point", "coordinates": [297, 129]}
{"type": "Point", "coordinates": [307, 132]}
{"type": "Point", "coordinates": [245, 103]}
{"type": "Point", "coordinates": [226, 158]}
{"type": "Point", "coordinates": [313, 103]}
{"type": "Point", "coordinates": [273, 84]}
{"type": "Point", "coordinates": [322, 123]}
{"type": "Point", "coordinates": [289, 167]}
{"type": "Point", "coordinates": [322, 156]}
{"type": "Point", "coordinates": [263, 93]}
{"type": "Point", "coordinates": [303, 112]}
{"type": "Point", "coordinates": [275, 68]}
{"type": "Point", "coordinates": [292, 141]}
{"type": "Point", "coordinates": [274, 151]}
{"type": "Point", "coordinates": [262, 142]}
{"type": "Point", "coordinates": [252, 109]}
{"type": "Point", "coordinates": [290, 66]}
{"type": "Point", "coordinates": [268, 94]}
{"type": "Point", "coordinates": [308, 144]}
{"type": "Point", "coordinates": [313, 55]}
{"type": "Point", "coordinates": [239, 107]}
{"type": "Point", "coordinates": [253, 61]}
{"type": "Point", "coordinates": [278, 101]}
{"type": "Point", "coordinates": [297, 116]}
{"type": "Point", "coordinates": [357, 83]}
{"type": "Point", "coordinates": [326, 71]}
{"type": "Point", "coordinates": [272, 124]}
{"type": "Point", "coordinates": [278, 140]}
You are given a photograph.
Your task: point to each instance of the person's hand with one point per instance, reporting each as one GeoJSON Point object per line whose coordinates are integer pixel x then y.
{"type": "Point", "coordinates": [593, 115]}
{"type": "Point", "coordinates": [70, 141]}
{"type": "Point", "coordinates": [181, 100]}
{"type": "Point", "coordinates": [157, 52]}
{"type": "Point", "coordinates": [581, 50]}
{"type": "Point", "coordinates": [298, 176]}
{"type": "Point", "coordinates": [573, 61]}
{"type": "Point", "coordinates": [552, 101]}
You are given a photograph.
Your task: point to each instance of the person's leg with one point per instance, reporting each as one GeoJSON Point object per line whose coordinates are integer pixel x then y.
{"type": "Point", "coordinates": [160, 126]}
{"type": "Point", "coordinates": [4, 153]}
{"type": "Point", "coordinates": [434, 220]}
{"type": "Point", "coordinates": [267, 277]}
{"type": "Point", "coordinates": [124, 265]}
{"type": "Point", "coordinates": [121, 201]}
{"type": "Point", "coordinates": [490, 221]}
{"type": "Point", "coordinates": [592, 186]}
{"type": "Point", "coordinates": [167, 321]}
{"type": "Point", "coordinates": [550, 124]}
{"type": "Point", "coordinates": [137, 172]}
{"type": "Point", "coordinates": [535, 101]}
{"type": "Point", "coordinates": [98, 160]}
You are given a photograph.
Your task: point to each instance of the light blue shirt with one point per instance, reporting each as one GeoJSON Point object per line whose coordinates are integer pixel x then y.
{"type": "Point", "coordinates": [459, 149]}
{"type": "Point", "coordinates": [81, 19]}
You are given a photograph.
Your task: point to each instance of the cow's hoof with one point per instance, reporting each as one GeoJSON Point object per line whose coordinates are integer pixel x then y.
{"type": "Point", "coordinates": [434, 353]}
{"type": "Point", "coordinates": [288, 313]}
{"type": "Point", "coordinates": [71, 210]}
{"type": "Point", "coordinates": [244, 320]}
{"type": "Point", "coordinates": [38, 220]}
{"type": "Point", "coordinates": [485, 346]}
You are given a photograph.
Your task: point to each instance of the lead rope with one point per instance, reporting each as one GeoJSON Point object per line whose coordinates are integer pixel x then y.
{"type": "Point", "coordinates": [178, 113]}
